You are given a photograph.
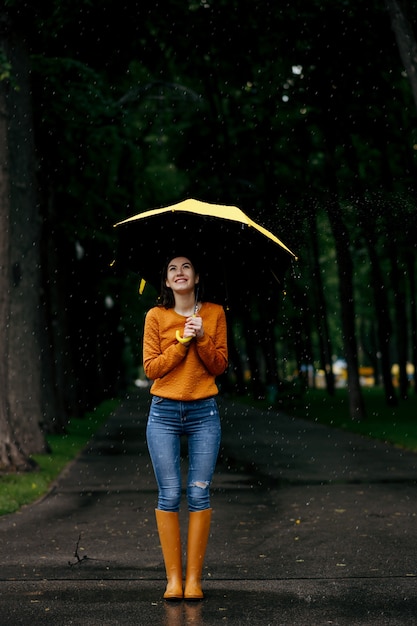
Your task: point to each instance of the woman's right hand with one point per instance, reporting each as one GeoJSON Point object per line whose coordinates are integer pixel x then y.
{"type": "Point", "coordinates": [189, 328]}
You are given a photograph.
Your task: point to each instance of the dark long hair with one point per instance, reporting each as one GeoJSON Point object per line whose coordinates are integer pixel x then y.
{"type": "Point", "coordinates": [166, 296]}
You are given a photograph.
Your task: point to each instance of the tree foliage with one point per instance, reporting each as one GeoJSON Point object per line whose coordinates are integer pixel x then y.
{"type": "Point", "coordinates": [301, 114]}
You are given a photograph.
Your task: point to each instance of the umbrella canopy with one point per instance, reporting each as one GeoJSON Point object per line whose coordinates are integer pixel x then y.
{"type": "Point", "coordinates": [236, 257]}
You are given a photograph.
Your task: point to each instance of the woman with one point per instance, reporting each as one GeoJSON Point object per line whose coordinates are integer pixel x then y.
{"type": "Point", "coordinates": [184, 350]}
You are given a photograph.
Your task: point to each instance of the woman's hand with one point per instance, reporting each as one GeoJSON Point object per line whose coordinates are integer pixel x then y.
{"type": "Point", "coordinates": [193, 327]}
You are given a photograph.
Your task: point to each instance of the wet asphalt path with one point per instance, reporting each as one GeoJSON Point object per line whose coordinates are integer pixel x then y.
{"type": "Point", "coordinates": [311, 526]}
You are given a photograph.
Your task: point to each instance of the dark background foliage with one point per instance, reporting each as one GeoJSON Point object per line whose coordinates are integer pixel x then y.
{"type": "Point", "coordinates": [300, 114]}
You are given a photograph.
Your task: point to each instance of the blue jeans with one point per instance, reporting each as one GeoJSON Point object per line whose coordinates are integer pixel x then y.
{"type": "Point", "coordinates": [168, 421]}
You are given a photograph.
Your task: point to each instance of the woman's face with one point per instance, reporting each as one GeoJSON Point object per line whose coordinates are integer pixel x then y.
{"type": "Point", "coordinates": [181, 276]}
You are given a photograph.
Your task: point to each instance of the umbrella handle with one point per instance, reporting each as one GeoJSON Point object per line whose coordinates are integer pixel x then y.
{"type": "Point", "coordinates": [177, 334]}
{"type": "Point", "coordinates": [182, 339]}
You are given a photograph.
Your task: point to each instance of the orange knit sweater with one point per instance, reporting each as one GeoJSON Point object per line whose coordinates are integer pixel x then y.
{"type": "Point", "coordinates": [181, 372]}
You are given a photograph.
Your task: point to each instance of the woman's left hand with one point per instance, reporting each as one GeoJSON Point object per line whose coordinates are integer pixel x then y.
{"type": "Point", "coordinates": [194, 326]}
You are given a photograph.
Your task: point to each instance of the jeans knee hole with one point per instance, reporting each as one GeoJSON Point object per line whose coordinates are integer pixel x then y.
{"type": "Point", "coordinates": [200, 484]}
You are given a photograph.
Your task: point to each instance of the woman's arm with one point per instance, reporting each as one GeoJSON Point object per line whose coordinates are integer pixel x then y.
{"type": "Point", "coordinates": [158, 363]}
{"type": "Point", "coordinates": [212, 347]}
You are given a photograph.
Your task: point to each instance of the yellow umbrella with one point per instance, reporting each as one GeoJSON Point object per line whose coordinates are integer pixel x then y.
{"type": "Point", "coordinates": [235, 254]}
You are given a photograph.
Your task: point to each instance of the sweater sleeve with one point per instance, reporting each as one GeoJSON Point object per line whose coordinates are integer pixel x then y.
{"type": "Point", "coordinates": [158, 362]}
{"type": "Point", "coordinates": [212, 349]}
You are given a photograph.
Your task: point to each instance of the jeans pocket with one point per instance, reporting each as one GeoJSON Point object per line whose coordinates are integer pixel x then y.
{"type": "Point", "coordinates": [157, 400]}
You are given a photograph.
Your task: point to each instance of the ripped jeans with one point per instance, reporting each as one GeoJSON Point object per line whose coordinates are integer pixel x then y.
{"type": "Point", "coordinates": [168, 421]}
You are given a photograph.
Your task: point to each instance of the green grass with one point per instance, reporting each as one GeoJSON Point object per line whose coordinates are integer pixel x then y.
{"type": "Point", "coordinates": [17, 490]}
{"type": "Point", "coordinates": [396, 425]}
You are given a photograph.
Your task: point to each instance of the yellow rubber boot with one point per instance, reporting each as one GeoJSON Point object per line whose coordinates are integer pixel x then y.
{"type": "Point", "coordinates": [198, 534]}
{"type": "Point", "coordinates": [170, 537]}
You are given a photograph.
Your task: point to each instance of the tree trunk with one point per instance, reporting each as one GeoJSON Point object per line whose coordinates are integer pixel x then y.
{"type": "Point", "coordinates": [406, 41]}
{"type": "Point", "coordinates": [384, 327]}
{"type": "Point", "coordinates": [345, 272]}
{"type": "Point", "coordinates": [24, 373]}
{"type": "Point", "coordinates": [367, 216]}
{"type": "Point", "coordinates": [11, 457]}
{"type": "Point", "coordinates": [411, 272]}
{"type": "Point", "coordinates": [345, 275]}
{"type": "Point", "coordinates": [321, 308]}
{"type": "Point", "coordinates": [401, 320]}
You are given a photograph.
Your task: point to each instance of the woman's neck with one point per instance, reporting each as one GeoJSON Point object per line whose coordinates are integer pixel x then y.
{"type": "Point", "coordinates": [185, 305]}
